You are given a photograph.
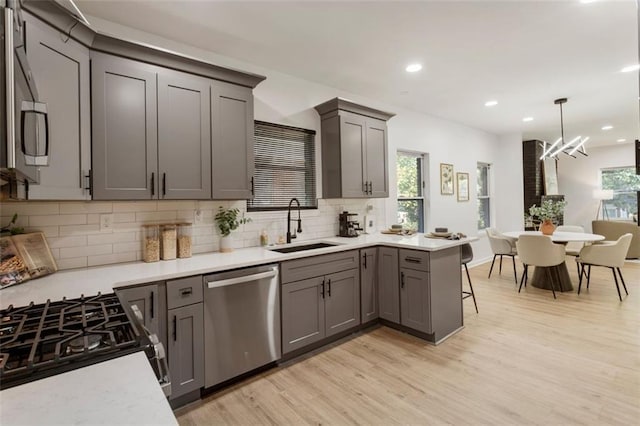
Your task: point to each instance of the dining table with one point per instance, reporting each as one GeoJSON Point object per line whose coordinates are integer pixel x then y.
{"type": "Point", "coordinates": [558, 276]}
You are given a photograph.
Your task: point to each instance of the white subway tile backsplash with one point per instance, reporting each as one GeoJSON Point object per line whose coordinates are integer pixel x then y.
{"type": "Point", "coordinates": [74, 262]}
{"type": "Point", "coordinates": [135, 206]}
{"type": "Point", "coordinates": [70, 241]}
{"type": "Point", "coordinates": [176, 205]}
{"type": "Point", "coordinates": [85, 250]}
{"type": "Point", "coordinates": [127, 247]}
{"type": "Point", "coordinates": [28, 208]}
{"type": "Point", "coordinates": [66, 219]}
{"type": "Point", "coordinates": [151, 217]}
{"type": "Point", "coordinates": [49, 231]}
{"type": "Point", "coordinates": [79, 230]}
{"type": "Point", "coordinates": [120, 237]}
{"type": "Point", "coordinates": [107, 259]}
{"type": "Point", "coordinates": [124, 217]}
{"type": "Point", "coordinates": [86, 207]}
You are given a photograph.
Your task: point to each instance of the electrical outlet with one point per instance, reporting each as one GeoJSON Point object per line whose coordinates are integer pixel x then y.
{"type": "Point", "coordinates": [106, 222]}
{"type": "Point", "coordinates": [197, 217]}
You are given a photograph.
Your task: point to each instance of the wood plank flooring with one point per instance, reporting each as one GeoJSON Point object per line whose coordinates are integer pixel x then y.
{"type": "Point", "coordinates": [524, 359]}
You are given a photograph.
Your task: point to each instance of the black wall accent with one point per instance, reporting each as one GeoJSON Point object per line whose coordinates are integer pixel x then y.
{"type": "Point", "coordinates": [532, 173]}
{"type": "Point", "coordinates": [638, 156]}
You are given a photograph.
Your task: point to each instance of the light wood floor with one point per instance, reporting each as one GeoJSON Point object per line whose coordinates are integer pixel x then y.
{"type": "Point", "coordinates": [525, 359]}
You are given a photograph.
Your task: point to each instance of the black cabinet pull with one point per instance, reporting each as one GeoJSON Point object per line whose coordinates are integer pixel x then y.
{"type": "Point", "coordinates": [412, 260]}
{"type": "Point", "coordinates": [322, 289]}
{"type": "Point", "coordinates": [164, 184]}
{"type": "Point", "coordinates": [329, 288]}
{"type": "Point", "coordinates": [151, 308]}
{"type": "Point", "coordinates": [175, 328]}
{"type": "Point", "coordinates": [252, 187]}
{"type": "Point", "coordinates": [186, 291]}
{"type": "Point", "coordinates": [364, 256]}
{"type": "Point", "coordinates": [364, 187]}
{"type": "Point", "coordinates": [401, 279]}
{"type": "Point", "coordinates": [153, 184]}
{"type": "Point", "coordinates": [370, 188]}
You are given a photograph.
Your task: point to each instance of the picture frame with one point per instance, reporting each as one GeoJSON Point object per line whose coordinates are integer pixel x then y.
{"type": "Point", "coordinates": [462, 183]}
{"type": "Point", "coordinates": [446, 179]}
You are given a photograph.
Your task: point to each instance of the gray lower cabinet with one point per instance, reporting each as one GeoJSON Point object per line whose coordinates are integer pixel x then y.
{"type": "Point", "coordinates": [302, 313]}
{"type": "Point", "coordinates": [186, 349]}
{"type": "Point", "coordinates": [369, 284]}
{"type": "Point", "coordinates": [61, 71]}
{"type": "Point", "coordinates": [232, 141]}
{"type": "Point", "coordinates": [150, 300]}
{"type": "Point", "coordinates": [341, 301]}
{"type": "Point", "coordinates": [124, 128]}
{"type": "Point", "coordinates": [184, 136]}
{"type": "Point", "coordinates": [388, 284]}
{"type": "Point", "coordinates": [355, 160]}
{"type": "Point", "coordinates": [414, 300]}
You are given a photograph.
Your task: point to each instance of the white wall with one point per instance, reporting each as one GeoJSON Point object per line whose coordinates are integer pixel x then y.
{"type": "Point", "coordinates": [288, 100]}
{"type": "Point", "coordinates": [577, 178]}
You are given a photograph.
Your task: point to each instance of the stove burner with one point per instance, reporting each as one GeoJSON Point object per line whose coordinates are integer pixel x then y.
{"type": "Point", "coordinates": [77, 344]}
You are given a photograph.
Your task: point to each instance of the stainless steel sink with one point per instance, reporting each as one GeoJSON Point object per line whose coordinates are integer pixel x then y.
{"type": "Point", "coordinates": [293, 249]}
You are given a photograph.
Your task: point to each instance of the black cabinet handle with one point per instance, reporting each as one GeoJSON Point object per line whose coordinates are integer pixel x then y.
{"type": "Point", "coordinates": [329, 288]}
{"type": "Point", "coordinates": [175, 328]}
{"type": "Point", "coordinates": [151, 308]}
{"type": "Point", "coordinates": [153, 184]}
{"type": "Point", "coordinates": [364, 256]}
{"type": "Point", "coordinates": [364, 187]}
{"type": "Point", "coordinates": [252, 187]}
{"type": "Point", "coordinates": [186, 291]}
{"type": "Point", "coordinates": [370, 188]}
{"type": "Point", "coordinates": [401, 279]}
{"type": "Point", "coordinates": [322, 289]}
{"type": "Point", "coordinates": [164, 184]}
{"type": "Point", "coordinates": [412, 260]}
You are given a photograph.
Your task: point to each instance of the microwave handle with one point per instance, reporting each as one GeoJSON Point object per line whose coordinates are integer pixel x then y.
{"type": "Point", "coordinates": [10, 93]}
{"type": "Point", "coordinates": [38, 108]}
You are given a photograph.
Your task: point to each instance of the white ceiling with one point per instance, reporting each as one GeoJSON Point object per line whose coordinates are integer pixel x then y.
{"type": "Point", "coordinates": [523, 54]}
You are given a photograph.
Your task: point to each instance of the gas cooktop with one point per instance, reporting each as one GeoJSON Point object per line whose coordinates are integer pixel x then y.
{"type": "Point", "coordinates": [38, 341]}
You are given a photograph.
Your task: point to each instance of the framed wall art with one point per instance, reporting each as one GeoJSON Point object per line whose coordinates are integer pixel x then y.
{"type": "Point", "coordinates": [446, 179]}
{"type": "Point", "coordinates": [462, 182]}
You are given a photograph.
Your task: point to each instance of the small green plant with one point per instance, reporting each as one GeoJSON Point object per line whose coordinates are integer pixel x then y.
{"type": "Point", "coordinates": [227, 220]}
{"type": "Point", "coordinates": [10, 229]}
{"type": "Point", "coordinates": [549, 210]}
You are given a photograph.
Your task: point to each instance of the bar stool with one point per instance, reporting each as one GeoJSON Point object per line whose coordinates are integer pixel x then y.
{"type": "Point", "coordinates": [466, 257]}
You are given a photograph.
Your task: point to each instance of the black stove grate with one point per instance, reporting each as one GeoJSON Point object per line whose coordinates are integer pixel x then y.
{"type": "Point", "coordinates": [41, 340]}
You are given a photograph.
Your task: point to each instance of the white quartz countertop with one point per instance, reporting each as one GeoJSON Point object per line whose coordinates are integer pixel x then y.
{"type": "Point", "coordinates": [89, 281]}
{"type": "Point", "coordinates": [122, 391]}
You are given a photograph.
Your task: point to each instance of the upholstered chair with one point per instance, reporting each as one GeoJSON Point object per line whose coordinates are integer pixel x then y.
{"type": "Point", "coordinates": [608, 255]}
{"type": "Point", "coordinates": [539, 250]}
{"type": "Point", "coordinates": [501, 245]}
{"type": "Point", "coordinates": [573, 247]}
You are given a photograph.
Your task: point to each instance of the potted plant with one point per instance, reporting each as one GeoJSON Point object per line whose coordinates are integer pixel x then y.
{"type": "Point", "coordinates": [549, 213]}
{"type": "Point", "coordinates": [227, 220]}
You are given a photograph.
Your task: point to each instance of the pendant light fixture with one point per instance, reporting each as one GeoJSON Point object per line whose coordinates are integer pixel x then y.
{"type": "Point", "coordinates": [560, 145]}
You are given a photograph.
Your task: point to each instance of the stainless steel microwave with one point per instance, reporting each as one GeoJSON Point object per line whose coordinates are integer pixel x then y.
{"type": "Point", "coordinates": [24, 123]}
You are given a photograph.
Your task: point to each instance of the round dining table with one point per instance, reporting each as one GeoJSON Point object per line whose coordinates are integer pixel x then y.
{"type": "Point", "coordinates": [558, 276]}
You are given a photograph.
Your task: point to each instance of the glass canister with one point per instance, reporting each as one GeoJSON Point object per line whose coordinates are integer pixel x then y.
{"type": "Point", "coordinates": [150, 243]}
{"type": "Point", "coordinates": [184, 239]}
{"type": "Point", "coordinates": [168, 238]}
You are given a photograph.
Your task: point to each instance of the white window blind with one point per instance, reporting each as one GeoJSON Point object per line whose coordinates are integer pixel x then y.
{"type": "Point", "coordinates": [285, 167]}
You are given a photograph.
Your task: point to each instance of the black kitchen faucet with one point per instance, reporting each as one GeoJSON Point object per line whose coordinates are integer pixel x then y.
{"type": "Point", "coordinates": [289, 236]}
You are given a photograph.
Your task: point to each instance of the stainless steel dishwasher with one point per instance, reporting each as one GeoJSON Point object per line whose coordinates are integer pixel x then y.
{"type": "Point", "coordinates": [241, 322]}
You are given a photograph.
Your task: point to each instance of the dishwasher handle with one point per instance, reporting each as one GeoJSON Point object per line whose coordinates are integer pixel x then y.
{"type": "Point", "coordinates": [243, 279]}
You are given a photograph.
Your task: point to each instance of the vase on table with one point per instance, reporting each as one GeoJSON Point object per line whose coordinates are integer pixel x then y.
{"type": "Point", "coordinates": [547, 227]}
{"type": "Point", "coordinates": [226, 244]}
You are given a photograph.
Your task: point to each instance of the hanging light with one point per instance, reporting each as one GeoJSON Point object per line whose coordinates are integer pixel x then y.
{"type": "Point", "coordinates": [574, 145]}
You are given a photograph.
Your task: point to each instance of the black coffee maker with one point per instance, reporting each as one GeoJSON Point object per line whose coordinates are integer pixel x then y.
{"type": "Point", "coordinates": [348, 227]}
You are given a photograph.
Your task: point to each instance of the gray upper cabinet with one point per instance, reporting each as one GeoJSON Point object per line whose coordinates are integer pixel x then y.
{"type": "Point", "coordinates": [388, 284]}
{"type": "Point", "coordinates": [124, 120]}
{"type": "Point", "coordinates": [61, 72]}
{"type": "Point", "coordinates": [342, 301]}
{"type": "Point", "coordinates": [232, 141]}
{"type": "Point", "coordinates": [184, 126]}
{"type": "Point", "coordinates": [369, 284]}
{"type": "Point", "coordinates": [355, 161]}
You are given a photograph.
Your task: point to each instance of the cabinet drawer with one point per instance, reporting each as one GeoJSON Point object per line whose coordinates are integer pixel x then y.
{"type": "Point", "coordinates": [184, 291]}
{"type": "Point", "coordinates": [414, 259]}
{"type": "Point", "coordinates": [296, 270]}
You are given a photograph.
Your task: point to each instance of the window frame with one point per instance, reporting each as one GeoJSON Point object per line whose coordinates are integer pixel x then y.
{"type": "Point", "coordinates": [481, 164]}
{"type": "Point", "coordinates": [632, 192]}
{"type": "Point", "coordinates": [422, 200]}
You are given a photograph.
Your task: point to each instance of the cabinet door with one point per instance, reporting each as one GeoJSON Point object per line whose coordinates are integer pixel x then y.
{"type": "Point", "coordinates": [368, 284]}
{"type": "Point", "coordinates": [302, 313]}
{"type": "Point", "coordinates": [342, 301]}
{"type": "Point", "coordinates": [186, 349]}
{"type": "Point", "coordinates": [388, 284]}
{"type": "Point", "coordinates": [124, 129]}
{"type": "Point", "coordinates": [232, 142]}
{"type": "Point", "coordinates": [414, 300]}
{"type": "Point", "coordinates": [61, 73]}
{"type": "Point", "coordinates": [377, 158]}
{"type": "Point", "coordinates": [352, 145]}
{"type": "Point", "coordinates": [184, 139]}
{"type": "Point", "coordinates": [147, 299]}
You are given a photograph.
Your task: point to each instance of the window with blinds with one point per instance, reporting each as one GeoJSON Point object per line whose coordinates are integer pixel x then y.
{"type": "Point", "coordinates": [285, 167]}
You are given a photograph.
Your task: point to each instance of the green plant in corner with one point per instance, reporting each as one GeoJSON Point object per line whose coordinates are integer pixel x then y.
{"type": "Point", "coordinates": [227, 220]}
{"type": "Point", "coordinates": [549, 210]}
{"type": "Point", "coordinates": [10, 229]}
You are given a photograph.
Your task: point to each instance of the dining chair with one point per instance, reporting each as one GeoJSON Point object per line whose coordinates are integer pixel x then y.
{"type": "Point", "coordinates": [539, 250]}
{"type": "Point", "coordinates": [573, 247]}
{"type": "Point", "coordinates": [501, 245]}
{"type": "Point", "coordinates": [608, 255]}
{"type": "Point", "coordinates": [466, 257]}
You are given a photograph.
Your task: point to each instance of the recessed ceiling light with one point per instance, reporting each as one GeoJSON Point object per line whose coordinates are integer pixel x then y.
{"type": "Point", "coordinates": [607, 127]}
{"type": "Point", "coordinates": [630, 68]}
{"type": "Point", "coordinates": [621, 140]}
{"type": "Point", "coordinates": [490, 103]}
{"type": "Point", "coordinates": [527, 119]}
{"type": "Point", "coordinates": [413, 67]}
